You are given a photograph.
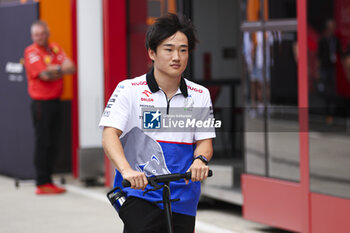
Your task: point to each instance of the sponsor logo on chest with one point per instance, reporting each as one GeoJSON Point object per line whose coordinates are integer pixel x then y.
{"type": "Point", "coordinates": [146, 96]}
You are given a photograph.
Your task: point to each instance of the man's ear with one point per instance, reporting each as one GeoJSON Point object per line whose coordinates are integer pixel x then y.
{"type": "Point", "coordinates": [152, 54]}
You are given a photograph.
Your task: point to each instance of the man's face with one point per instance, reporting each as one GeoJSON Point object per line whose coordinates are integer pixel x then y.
{"type": "Point", "coordinates": [171, 56]}
{"type": "Point", "coordinates": [40, 35]}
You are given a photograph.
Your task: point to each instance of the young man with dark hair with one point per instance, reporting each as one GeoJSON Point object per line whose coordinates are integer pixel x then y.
{"type": "Point", "coordinates": [141, 152]}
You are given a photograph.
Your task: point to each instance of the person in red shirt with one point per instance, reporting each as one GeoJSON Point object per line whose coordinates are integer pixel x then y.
{"type": "Point", "coordinates": [45, 64]}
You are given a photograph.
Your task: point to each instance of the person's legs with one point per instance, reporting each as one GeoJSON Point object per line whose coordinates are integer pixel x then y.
{"type": "Point", "coordinates": [46, 119]}
{"type": "Point", "coordinates": [183, 223]}
{"type": "Point", "coordinates": [42, 143]}
{"type": "Point", "coordinates": [55, 129]}
{"type": "Point", "coordinates": [140, 216]}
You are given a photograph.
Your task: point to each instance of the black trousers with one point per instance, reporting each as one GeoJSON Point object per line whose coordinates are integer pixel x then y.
{"type": "Point", "coordinates": [47, 122]}
{"type": "Point", "coordinates": [140, 216]}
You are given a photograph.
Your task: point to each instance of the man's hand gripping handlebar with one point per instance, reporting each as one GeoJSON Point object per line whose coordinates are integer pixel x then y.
{"type": "Point", "coordinates": [154, 180]}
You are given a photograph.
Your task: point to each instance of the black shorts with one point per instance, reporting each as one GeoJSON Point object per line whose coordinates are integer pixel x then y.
{"type": "Point", "coordinates": [140, 216]}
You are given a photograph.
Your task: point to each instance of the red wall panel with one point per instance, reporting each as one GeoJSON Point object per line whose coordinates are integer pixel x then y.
{"type": "Point", "coordinates": [74, 107]}
{"type": "Point", "coordinates": [273, 202]}
{"type": "Point", "coordinates": [329, 214]}
{"type": "Point", "coordinates": [115, 54]}
{"type": "Point", "coordinates": [137, 27]}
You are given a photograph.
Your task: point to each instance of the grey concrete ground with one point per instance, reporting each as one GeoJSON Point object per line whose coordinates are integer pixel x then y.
{"type": "Point", "coordinates": [86, 210]}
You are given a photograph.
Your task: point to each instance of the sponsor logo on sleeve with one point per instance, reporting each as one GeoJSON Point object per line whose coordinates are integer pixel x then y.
{"type": "Point", "coordinates": [195, 89]}
{"type": "Point", "coordinates": [33, 57]}
{"type": "Point", "coordinates": [141, 83]}
{"type": "Point", "coordinates": [106, 113]}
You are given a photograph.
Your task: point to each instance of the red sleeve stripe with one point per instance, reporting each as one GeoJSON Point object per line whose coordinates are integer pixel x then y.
{"type": "Point", "coordinates": [184, 143]}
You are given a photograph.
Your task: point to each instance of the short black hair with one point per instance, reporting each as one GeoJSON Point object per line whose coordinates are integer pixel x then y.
{"type": "Point", "coordinates": [167, 26]}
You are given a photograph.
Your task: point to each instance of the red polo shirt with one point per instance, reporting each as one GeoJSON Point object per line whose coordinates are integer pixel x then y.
{"type": "Point", "coordinates": [36, 59]}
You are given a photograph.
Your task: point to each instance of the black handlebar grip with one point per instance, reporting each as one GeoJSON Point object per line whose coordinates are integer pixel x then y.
{"type": "Point", "coordinates": [188, 174]}
{"type": "Point", "coordinates": [126, 183]}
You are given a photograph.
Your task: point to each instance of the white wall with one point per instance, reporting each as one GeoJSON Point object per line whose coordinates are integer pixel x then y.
{"type": "Point", "coordinates": [217, 23]}
{"type": "Point", "coordinates": [218, 27]}
{"type": "Point", "coordinates": [90, 71]}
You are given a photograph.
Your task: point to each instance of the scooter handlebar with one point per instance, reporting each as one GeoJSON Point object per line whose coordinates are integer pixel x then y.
{"type": "Point", "coordinates": [166, 178]}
